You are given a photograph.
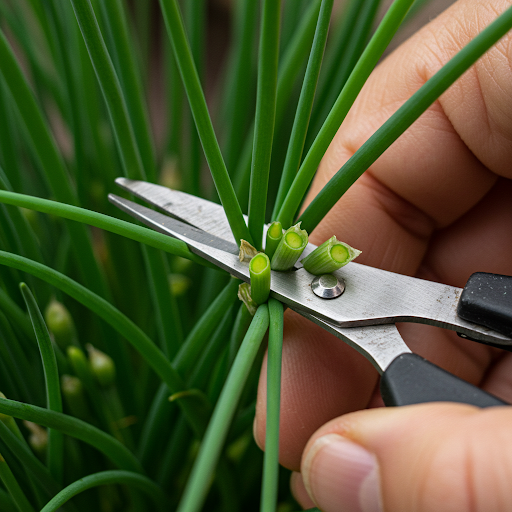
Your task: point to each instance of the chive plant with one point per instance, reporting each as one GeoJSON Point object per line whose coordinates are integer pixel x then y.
{"type": "Point", "coordinates": [156, 380]}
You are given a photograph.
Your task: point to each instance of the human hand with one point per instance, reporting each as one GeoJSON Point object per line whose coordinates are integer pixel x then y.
{"type": "Point", "coordinates": [436, 205]}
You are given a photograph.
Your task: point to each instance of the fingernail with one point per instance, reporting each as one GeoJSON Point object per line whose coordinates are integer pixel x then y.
{"type": "Point", "coordinates": [342, 475]}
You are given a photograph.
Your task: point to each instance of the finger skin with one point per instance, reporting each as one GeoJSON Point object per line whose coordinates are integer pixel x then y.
{"type": "Point", "coordinates": [431, 457]}
{"type": "Point", "coordinates": [299, 491]}
{"type": "Point", "coordinates": [422, 209]}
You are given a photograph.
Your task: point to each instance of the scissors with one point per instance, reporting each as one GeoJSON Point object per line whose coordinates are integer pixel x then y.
{"type": "Point", "coordinates": [358, 304]}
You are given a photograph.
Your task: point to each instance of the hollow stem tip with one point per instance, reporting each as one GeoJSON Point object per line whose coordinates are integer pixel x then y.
{"type": "Point", "coordinates": [290, 248]}
{"type": "Point", "coordinates": [274, 235]}
{"type": "Point", "coordinates": [259, 270]}
{"type": "Point", "coordinates": [329, 256]}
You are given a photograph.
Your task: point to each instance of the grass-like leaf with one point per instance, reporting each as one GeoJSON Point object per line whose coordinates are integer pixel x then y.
{"type": "Point", "coordinates": [116, 22]}
{"type": "Point", "coordinates": [194, 343]}
{"type": "Point", "coordinates": [111, 89]}
{"type": "Point", "coordinates": [289, 68]}
{"type": "Point", "coordinates": [197, 101]}
{"type": "Point", "coordinates": [113, 449]}
{"type": "Point", "coordinates": [307, 95]}
{"type": "Point", "coordinates": [271, 462]}
{"type": "Point", "coordinates": [129, 478]}
{"type": "Point", "coordinates": [54, 169]}
{"type": "Point", "coordinates": [198, 483]}
{"type": "Point", "coordinates": [13, 487]}
{"type": "Point", "coordinates": [30, 462]}
{"type": "Point", "coordinates": [237, 90]}
{"type": "Point", "coordinates": [120, 227]}
{"type": "Point", "coordinates": [350, 35]}
{"type": "Point", "coordinates": [147, 349]}
{"type": "Point", "coordinates": [402, 119]}
{"type": "Point", "coordinates": [194, 14]}
{"type": "Point", "coordinates": [52, 381]}
{"type": "Point", "coordinates": [265, 116]}
{"type": "Point", "coordinates": [346, 98]}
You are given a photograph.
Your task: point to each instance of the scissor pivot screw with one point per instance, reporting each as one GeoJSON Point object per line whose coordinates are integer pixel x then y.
{"type": "Point", "coordinates": [327, 286]}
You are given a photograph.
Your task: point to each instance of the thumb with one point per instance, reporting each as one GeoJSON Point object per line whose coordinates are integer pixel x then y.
{"type": "Point", "coordinates": [422, 458]}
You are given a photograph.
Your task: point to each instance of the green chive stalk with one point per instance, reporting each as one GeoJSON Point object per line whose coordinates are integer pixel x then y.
{"type": "Point", "coordinates": [271, 462]}
{"type": "Point", "coordinates": [190, 77]}
{"type": "Point", "coordinates": [290, 248]}
{"type": "Point", "coordinates": [419, 102]}
{"type": "Point", "coordinates": [74, 98]}
{"type": "Point", "coordinates": [339, 111]}
{"type": "Point", "coordinates": [259, 270]}
{"type": "Point", "coordinates": [120, 227]}
{"type": "Point", "coordinates": [198, 483]}
{"type": "Point", "coordinates": [128, 478]}
{"type": "Point", "coordinates": [329, 256]}
{"type": "Point", "coordinates": [13, 487]}
{"type": "Point", "coordinates": [21, 450]}
{"type": "Point", "coordinates": [265, 116]}
{"type": "Point", "coordinates": [51, 375]}
{"type": "Point", "coordinates": [307, 95]}
{"type": "Point", "coordinates": [274, 235]}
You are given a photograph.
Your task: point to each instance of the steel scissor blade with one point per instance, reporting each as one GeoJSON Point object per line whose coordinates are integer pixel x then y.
{"type": "Point", "coordinates": [372, 296]}
{"type": "Point", "coordinates": [202, 214]}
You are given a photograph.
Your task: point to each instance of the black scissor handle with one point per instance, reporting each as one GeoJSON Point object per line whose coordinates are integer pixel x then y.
{"type": "Point", "coordinates": [487, 300]}
{"type": "Point", "coordinates": [410, 379]}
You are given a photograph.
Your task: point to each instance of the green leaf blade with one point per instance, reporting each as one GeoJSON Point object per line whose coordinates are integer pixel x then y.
{"type": "Point", "coordinates": [265, 117]}
{"type": "Point", "coordinates": [52, 381]}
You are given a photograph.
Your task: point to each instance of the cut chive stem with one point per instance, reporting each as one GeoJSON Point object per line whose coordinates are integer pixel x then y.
{"type": "Point", "coordinates": [329, 256]}
{"type": "Point", "coordinates": [290, 248]}
{"type": "Point", "coordinates": [274, 235]}
{"type": "Point", "coordinates": [259, 270]}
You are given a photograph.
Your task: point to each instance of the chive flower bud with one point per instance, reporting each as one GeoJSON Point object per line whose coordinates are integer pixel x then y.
{"type": "Point", "coordinates": [38, 438]}
{"type": "Point", "coordinates": [244, 294]}
{"type": "Point", "coordinates": [102, 366]}
{"type": "Point", "coordinates": [259, 270]}
{"type": "Point", "coordinates": [290, 248]}
{"type": "Point", "coordinates": [274, 235]}
{"type": "Point", "coordinates": [60, 323]}
{"type": "Point", "coordinates": [329, 256]}
{"type": "Point", "coordinates": [74, 394]}
{"type": "Point", "coordinates": [247, 251]}
{"type": "Point", "coordinates": [179, 284]}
